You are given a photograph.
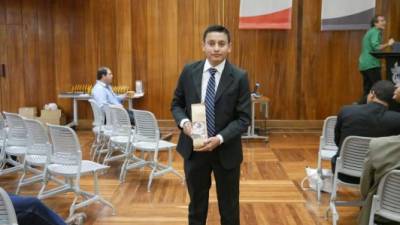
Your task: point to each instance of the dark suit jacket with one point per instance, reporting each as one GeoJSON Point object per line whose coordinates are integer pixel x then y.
{"type": "Point", "coordinates": [368, 120]}
{"type": "Point", "coordinates": [232, 109]}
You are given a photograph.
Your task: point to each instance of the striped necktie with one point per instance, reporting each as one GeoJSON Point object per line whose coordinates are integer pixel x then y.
{"type": "Point", "coordinates": [210, 102]}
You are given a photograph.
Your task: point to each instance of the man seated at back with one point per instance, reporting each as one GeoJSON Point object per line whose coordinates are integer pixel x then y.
{"type": "Point", "coordinates": [103, 95]}
{"type": "Point", "coordinates": [102, 91]}
{"type": "Point", "coordinates": [369, 120]}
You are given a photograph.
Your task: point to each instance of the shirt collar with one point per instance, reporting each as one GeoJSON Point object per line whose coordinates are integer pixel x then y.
{"type": "Point", "coordinates": [102, 83]}
{"type": "Point", "coordinates": [220, 67]}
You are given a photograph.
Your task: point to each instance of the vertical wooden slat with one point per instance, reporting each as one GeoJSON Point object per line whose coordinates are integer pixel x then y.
{"type": "Point", "coordinates": [169, 17]}
{"type": "Point", "coordinates": [140, 41]}
{"type": "Point", "coordinates": [13, 12]}
{"type": "Point", "coordinates": [3, 60]}
{"type": "Point", "coordinates": [201, 15]}
{"type": "Point", "coordinates": [47, 82]}
{"type": "Point", "coordinates": [91, 40]}
{"type": "Point", "coordinates": [14, 91]}
{"type": "Point", "coordinates": [105, 24]}
{"type": "Point", "coordinates": [30, 38]}
{"type": "Point", "coordinates": [62, 51]}
{"type": "Point", "coordinates": [3, 54]}
{"type": "Point", "coordinates": [124, 42]}
{"type": "Point", "coordinates": [2, 12]}
{"type": "Point", "coordinates": [185, 45]}
{"type": "Point", "coordinates": [153, 83]}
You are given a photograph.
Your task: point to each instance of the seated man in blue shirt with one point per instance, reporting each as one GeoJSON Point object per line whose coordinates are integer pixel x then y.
{"type": "Point", "coordinates": [102, 93]}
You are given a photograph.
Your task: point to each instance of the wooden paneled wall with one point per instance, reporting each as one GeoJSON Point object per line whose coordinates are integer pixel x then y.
{"type": "Point", "coordinates": [50, 45]}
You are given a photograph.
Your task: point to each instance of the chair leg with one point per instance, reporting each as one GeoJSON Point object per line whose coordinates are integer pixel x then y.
{"type": "Point", "coordinates": [170, 165]}
{"type": "Point", "coordinates": [73, 208]}
{"type": "Point", "coordinates": [44, 184]}
{"type": "Point", "coordinates": [122, 175]}
{"type": "Point", "coordinates": [97, 193]}
{"type": "Point", "coordinates": [332, 202]}
{"type": "Point", "coordinates": [319, 174]}
{"type": "Point", "coordinates": [375, 200]}
{"type": "Point", "coordinates": [93, 147]}
{"type": "Point", "coordinates": [151, 177]}
{"type": "Point", "coordinates": [108, 154]}
{"type": "Point", "coordinates": [21, 179]}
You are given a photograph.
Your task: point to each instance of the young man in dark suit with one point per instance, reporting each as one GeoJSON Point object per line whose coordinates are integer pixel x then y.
{"type": "Point", "coordinates": [224, 89]}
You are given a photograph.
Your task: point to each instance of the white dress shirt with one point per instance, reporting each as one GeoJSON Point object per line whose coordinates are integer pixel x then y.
{"type": "Point", "coordinates": [204, 82]}
{"type": "Point", "coordinates": [103, 94]}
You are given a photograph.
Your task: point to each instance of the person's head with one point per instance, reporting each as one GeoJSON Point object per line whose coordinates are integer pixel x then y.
{"type": "Point", "coordinates": [381, 92]}
{"type": "Point", "coordinates": [105, 75]}
{"type": "Point", "coordinates": [396, 94]}
{"type": "Point", "coordinates": [379, 22]}
{"type": "Point", "coordinates": [216, 44]}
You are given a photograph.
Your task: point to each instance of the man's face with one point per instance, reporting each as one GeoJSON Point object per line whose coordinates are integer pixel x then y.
{"type": "Point", "coordinates": [396, 95]}
{"type": "Point", "coordinates": [381, 23]}
{"type": "Point", "coordinates": [370, 96]}
{"type": "Point", "coordinates": [108, 78]}
{"type": "Point", "coordinates": [216, 47]}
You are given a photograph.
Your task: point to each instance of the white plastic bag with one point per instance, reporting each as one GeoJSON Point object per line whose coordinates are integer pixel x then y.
{"type": "Point", "coordinates": [51, 106]}
{"type": "Point", "coordinates": [325, 182]}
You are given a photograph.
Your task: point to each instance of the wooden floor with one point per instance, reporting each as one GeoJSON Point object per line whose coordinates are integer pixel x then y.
{"type": "Point", "coordinates": [270, 191]}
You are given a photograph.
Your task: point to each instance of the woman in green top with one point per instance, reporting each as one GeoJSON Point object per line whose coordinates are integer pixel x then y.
{"type": "Point", "coordinates": [369, 66]}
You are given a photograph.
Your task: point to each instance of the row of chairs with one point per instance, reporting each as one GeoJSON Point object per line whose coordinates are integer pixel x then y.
{"type": "Point", "coordinates": [118, 140]}
{"type": "Point", "coordinates": [350, 162]}
{"type": "Point", "coordinates": [28, 148]}
{"type": "Point", "coordinates": [25, 144]}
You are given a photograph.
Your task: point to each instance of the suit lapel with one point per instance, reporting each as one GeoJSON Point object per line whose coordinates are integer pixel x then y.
{"type": "Point", "coordinates": [226, 79]}
{"type": "Point", "coordinates": [197, 77]}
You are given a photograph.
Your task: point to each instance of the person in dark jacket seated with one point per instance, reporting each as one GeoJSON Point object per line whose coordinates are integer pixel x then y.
{"type": "Point", "coordinates": [368, 120]}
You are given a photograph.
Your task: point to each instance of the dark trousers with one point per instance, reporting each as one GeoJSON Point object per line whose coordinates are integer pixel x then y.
{"type": "Point", "coordinates": [198, 177]}
{"type": "Point", "coordinates": [370, 77]}
{"type": "Point", "coordinates": [131, 117]}
{"type": "Point", "coordinates": [31, 211]}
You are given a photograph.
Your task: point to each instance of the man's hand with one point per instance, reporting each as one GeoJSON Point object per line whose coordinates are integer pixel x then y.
{"type": "Point", "coordinates": [391, 42]}
{"type": "Point", "coordinates": [123, 96]}
{"type": "Point", "coordinates": [209, 145]}
{"type": "Point", "coordinates": [187, 128]}
{"type": "Point", "coordinates": [396, 94]}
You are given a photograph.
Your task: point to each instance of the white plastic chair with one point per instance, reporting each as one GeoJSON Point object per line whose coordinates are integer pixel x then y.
{"type": "Point", "coordinates": [121, 135]}
{"type": "Point", "coordinates": [66, 160]}
{"type": "Point", "coordinates": [15, 144]}
{"type": "Point", "coordinates": [7, 212]}
{"type": "Point", "coordinates": [37, 154]}
{"type": "Point", "coordinates": [350, 162]}
{"type": "Point", "coordinates": [101, 131]}
{"type": "Point", "coordinates": [147, 139]}
{"type": "Point", "coordinates": [327, 147]}
{"type": "Point", "coordinates": [386, 202]}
